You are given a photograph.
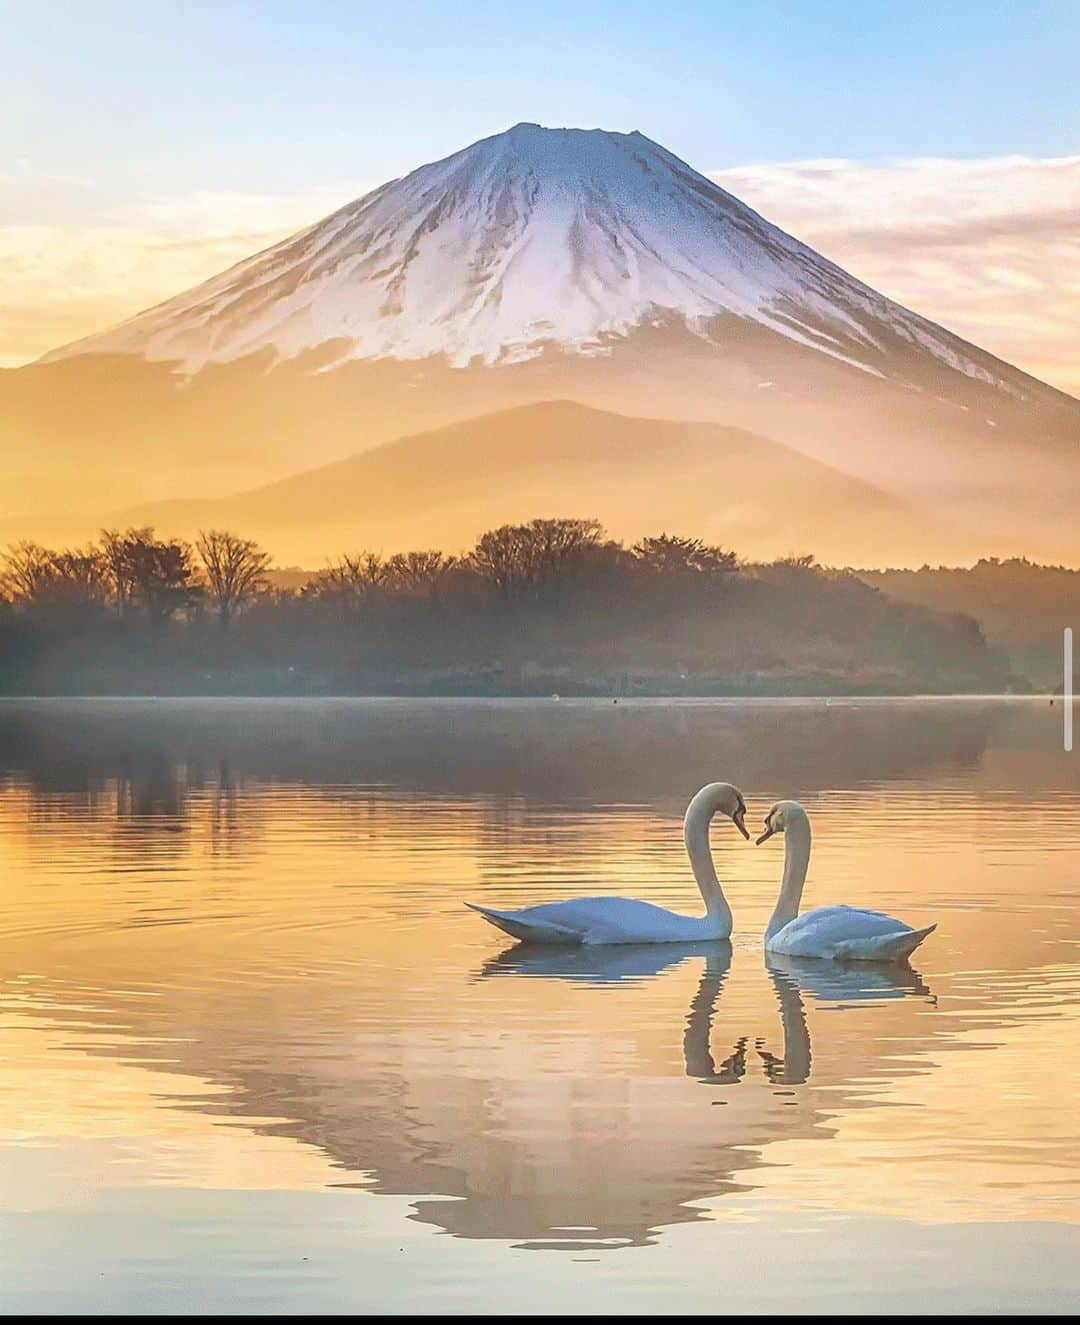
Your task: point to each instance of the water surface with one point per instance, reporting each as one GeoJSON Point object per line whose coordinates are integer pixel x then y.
{"type": "Point", "coordinates": [254, 1055]}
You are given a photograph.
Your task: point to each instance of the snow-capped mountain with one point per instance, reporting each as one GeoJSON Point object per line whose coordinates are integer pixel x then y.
{"type": "Point", "coordinates": [543, 265]}
{"type": "Point", "coordinates": [534, 238]}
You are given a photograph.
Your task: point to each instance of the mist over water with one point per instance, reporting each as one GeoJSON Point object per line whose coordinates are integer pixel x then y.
{"type": "Point", "coordinates": [255, 1055]}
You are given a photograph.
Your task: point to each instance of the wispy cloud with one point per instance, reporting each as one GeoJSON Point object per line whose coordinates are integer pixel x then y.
{"type": "Point", "coordinates": [988, 247]}
{"type": "Point", "coordinates": [60, 282]}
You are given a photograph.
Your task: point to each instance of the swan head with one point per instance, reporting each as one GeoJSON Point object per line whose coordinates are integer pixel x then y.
{"type": "Point", "coordinates": [782, 815]}
{"type": "Point", "coordinates": [721, 798]}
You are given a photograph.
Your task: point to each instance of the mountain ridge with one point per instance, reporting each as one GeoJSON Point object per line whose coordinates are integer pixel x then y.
{"type": "Point", "coordinates": [443, 487]}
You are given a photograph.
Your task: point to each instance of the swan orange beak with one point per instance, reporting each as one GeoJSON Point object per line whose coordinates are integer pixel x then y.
{"type": "Point", "coordinates": [738, 819]}
{"type": "Point", "coordinates": [765, 835]}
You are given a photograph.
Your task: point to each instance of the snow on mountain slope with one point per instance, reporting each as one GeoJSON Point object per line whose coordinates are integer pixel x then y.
{"type": "Point", "coordinates": [532, 239]}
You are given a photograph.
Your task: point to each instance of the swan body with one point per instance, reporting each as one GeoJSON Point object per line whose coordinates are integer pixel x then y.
{"type": "Point", "coordinates": [837, 933]}
{"type": "Point", "coordinates": [595, 920]}
{"type": "Point", "coordinates": [603, 920]}
{"type": "Point", "coordinates": [847, 933]}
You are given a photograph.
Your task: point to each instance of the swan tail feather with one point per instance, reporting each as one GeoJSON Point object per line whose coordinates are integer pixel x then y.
{"type": "Point", "coordinates": [886, 947]}
{"type": "Point", "coordinates": [528, 931]}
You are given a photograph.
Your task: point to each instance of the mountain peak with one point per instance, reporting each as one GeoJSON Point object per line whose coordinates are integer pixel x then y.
{"type": "Point", "coordinates": [528, 127]}
{"type": "Point", "coordinates": [556, 151]}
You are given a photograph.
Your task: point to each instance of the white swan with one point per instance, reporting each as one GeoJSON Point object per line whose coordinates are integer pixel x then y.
{"type": "Point", "coordinates": [596, 920]}
{"type": "Point", "coordinates": [842, 933]}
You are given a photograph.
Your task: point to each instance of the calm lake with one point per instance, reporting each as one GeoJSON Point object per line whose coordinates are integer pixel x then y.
{"type": "Point", "coordinates": [256, 1056]}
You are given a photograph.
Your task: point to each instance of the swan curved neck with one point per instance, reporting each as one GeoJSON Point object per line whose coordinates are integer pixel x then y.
{"type": "Point", "coordinates": [699, 815]}
{"type": "Point", "coordinates": [796, 861]}
{"type": "Point", "coordinates": [798, 1054]}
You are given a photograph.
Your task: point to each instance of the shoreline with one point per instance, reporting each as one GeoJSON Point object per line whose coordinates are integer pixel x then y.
{"type": "Point", "coordinates": [610, 701]}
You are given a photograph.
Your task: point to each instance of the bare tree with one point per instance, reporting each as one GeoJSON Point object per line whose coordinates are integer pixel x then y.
{"type": "Point", "coordinates": [556, 545]}
{"type": "Point", "coordinates": [352, 583]}
{"type": "Point", "coordinates": [368, 572]}
{"type": "Point", "coordinates": [79, 576]}
{"type": "Point", "coordinates": [234, 569]}
{"type": "Point", "coordinates": [499, 558]}
{"type": "Point", "coordinates": [26, 571]}
{"type": "Point", "coordinates": [35, 574]}
{"type": "Point", "coordinates": [421, 574]}
{"type": "Point", "coordinates": [530, 558]}
{"type": "Point", "coordinates": [118, 568]}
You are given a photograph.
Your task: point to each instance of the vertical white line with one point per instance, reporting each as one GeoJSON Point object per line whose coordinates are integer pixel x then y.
{"type": "Point", "coordinates": [1068, 688]}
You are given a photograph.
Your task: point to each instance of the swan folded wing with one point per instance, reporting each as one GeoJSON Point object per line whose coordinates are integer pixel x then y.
{"type": "Point", "coordinates": [597, 920]}
{"type": "Point", "coordinates": [628, 920]}
{"type": "Point", "coordinates": [519, 925]}
{"type": "Point", "coordinates": [884, 947]}
{"type": "Point", "coordinates": [831, 931]}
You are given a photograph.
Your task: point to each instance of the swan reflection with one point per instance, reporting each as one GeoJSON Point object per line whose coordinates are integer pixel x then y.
{"type": "Point", "coordinates": [791, 977]}
{"type": "Point", "coordinates": [580, 1111]}
{"type": "Point", "coordinates": [607, 964]}
{"type": "Point", "coordinates": [848, 985]}
{"type": "Point", "coordinates": [829, 981]}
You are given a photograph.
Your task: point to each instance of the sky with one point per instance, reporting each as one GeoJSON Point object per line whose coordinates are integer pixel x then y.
{"type": "Point", "coordinates": [932, 149]}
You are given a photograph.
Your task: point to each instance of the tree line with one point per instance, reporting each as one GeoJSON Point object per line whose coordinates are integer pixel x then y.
{"type": "Point", "coordinates": [549, 603]}
{"type": "Point", "coordinates": [136, 572]}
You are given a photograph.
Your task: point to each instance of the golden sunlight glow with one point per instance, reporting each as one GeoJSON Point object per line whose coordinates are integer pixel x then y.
{"type": "Point", "coordinates": [986, 247]}
{"type": "Point", "coordinates": [165, 1031]}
